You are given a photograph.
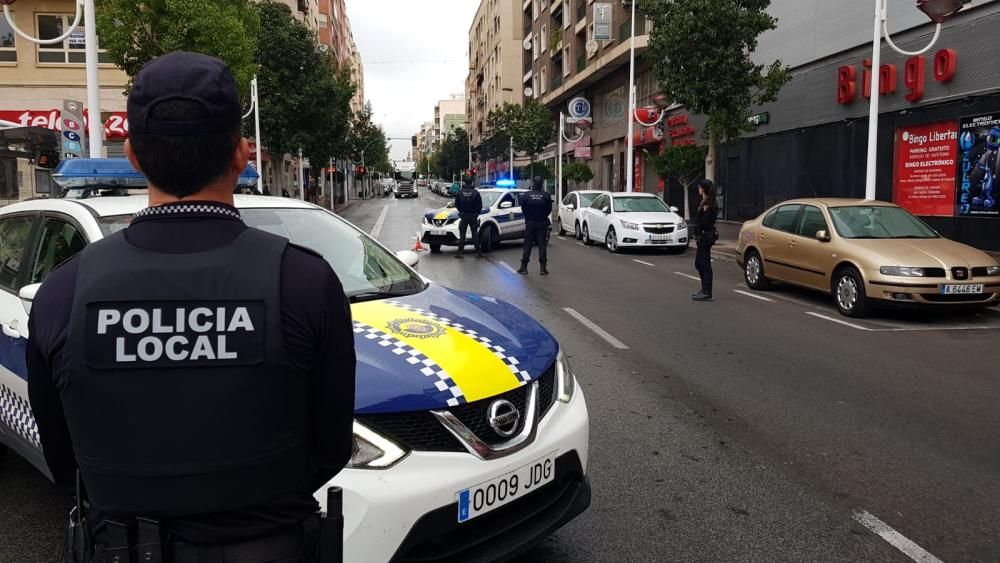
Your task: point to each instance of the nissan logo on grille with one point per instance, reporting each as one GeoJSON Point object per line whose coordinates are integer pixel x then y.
{"type": "Point", "coordinates": [503, 418]}
{"type": "Point", "coordinates": [960, 273]}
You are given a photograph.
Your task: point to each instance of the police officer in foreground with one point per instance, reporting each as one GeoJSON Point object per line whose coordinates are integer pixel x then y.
{"type": "Point", "coordinates": [196, 373]}
{"type": "Point", "coordinates": [536, 205]}
{"type": "Point", "coordinates": [469, 203]}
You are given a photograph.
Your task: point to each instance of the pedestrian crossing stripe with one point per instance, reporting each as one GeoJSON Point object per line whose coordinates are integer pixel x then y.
{"type": "Point", "coordinates": [478, 371]}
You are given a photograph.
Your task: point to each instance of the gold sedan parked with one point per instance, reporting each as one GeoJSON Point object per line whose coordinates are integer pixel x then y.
{"type": "Point", "coordinates": [864, 253]}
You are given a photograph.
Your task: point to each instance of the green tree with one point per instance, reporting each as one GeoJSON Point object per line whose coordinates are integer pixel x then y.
{"type": "Point", "coordinates": [702, 54]}
{"type": "Point", "coordinates": [577, 172]}
{"type": "Point", "coordinates": [531, 126]}
{"type": "Point", "coordinates": [684, 163]}
{"type": "Point", "coordinates": [453, 154]}
{"type": "Point", "coordinates": [368, 137]}
{"type": "Point", "coordinates": [135, 32]}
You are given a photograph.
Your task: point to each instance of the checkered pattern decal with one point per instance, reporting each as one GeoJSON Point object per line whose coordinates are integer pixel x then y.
{"type": "Point", "coordinates": [414, 357]}
{"type": "Point", "coordinates": [512, 363]}
{"type": "Point", "coordinates": [16, 414]}
{"type": "Point", "coordinates": [510, 228]}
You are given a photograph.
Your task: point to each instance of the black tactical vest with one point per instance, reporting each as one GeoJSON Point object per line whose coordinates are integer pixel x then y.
{"type": "Point", "coordinates": [465, 201]}
{"type": "Point", "coordinates": [176, 380]}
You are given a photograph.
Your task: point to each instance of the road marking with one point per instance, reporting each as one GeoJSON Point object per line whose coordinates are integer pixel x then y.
{"type": "Point", "coordinates": [377, 229]}
{"type": "Point", "coordinates": [796, 301]}
{"type": "Point", "coordinates": [644, 263]}
{"type": "Point", "coordinates": [562, 238]}
{"type": "Point", "coordinates": [753, 295]}
{"type": "Point", "coordinates": [596, 329]}
{"type": "Point", "coordinates": [688, 276]}
{"type": "Point", "coordinates": [507, 267]}
{"type": "Point", "coordinates": [839, 321]}
{"type": "Point", "coordinates": [897, 540]}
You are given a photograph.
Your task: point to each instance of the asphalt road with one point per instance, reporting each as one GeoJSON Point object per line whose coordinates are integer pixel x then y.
{"type": "Point", "coordinates": [740, 430]}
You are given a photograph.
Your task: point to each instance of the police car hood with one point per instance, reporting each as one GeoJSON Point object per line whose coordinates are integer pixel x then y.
{"type": "Point", "coordinates": [443, 347]}
{"type": "Point", "coordinates": [446, 213]}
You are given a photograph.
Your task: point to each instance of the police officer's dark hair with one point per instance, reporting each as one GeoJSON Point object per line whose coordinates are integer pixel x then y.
{"type": "Point", "coordinates": [182, 166]}
{"type": "Point", "coordinates": [709, 188]}
{"type": "Point", "coordinates": [537, 182]}
{"type": "Point", "coordinates": [467, 182]}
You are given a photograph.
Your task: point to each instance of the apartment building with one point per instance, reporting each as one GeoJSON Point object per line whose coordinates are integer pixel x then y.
{"type": "Point", "coordinates": [559, 67]}
{"type": "Point", "coordinates": [495, 65]}
{"type": "Point", "coordinates": [448, 115]}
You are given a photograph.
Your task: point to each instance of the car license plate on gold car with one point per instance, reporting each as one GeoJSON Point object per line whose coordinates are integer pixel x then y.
{"type": "Point", "coordinates": [478, 500]}
{"type": "Point", "coordinates": [972, 289]}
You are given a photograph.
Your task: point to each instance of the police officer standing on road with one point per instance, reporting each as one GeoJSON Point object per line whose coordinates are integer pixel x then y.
{"type": "Point", "coordinates": [196, 372]}
{"type": "Point", "coordinates": [707, 237]}
{"type": "Point", "coordinates": [469, 204]}
{"type": "Point", "coordinates": [537, 208]}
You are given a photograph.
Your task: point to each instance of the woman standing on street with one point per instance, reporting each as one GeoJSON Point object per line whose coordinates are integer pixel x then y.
{"type": "Point", "coordinates": [707, 237]}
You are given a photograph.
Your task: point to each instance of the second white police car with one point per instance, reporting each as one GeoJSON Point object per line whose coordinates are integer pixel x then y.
{"type": "Point", "coordinates": [471, 435]}
{"type": "Point", "coordinates": [500, 220]}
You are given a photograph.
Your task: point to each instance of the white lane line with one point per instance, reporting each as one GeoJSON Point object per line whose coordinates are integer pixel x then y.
{"type": "Point", "coordinates": [754, 295]}
{"type": "Point", "coordinates": [794, 300]}
{"type": "Point", "coordinates": [507, 267]}
{"type": "Point", "coordinates": [562, 238]}
{"type": "Point", "coordinates": [581, 244]}
{"type": "Point", "coordinates": [897, 540]}
{"type": "Point", "coordinates": [644, 263]}
{"type": "Point", "coordinates": [688, 276]}
{"type": "Point", "coordinates": [839, 321]}
{"type": "Point", "coordinates": [596, 329]}
{"type": "Point", "coordinates": [377, 229]}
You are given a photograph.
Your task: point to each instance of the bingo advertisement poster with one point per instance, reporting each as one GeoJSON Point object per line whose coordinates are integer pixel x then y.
{"type": "Point", "coordinates": [978, 166]}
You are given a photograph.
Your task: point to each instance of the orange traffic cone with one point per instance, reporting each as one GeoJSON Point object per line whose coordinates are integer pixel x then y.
{"type": "Point", "coordinates": [418, 247]}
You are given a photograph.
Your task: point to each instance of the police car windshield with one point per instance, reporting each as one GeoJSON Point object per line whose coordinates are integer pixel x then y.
{"type": "Point", "coordinates": [639, 205]}
{"type": "Point", "coordinates": [489, 198]}
{"type": "Point", "coordinates": [364, 267]}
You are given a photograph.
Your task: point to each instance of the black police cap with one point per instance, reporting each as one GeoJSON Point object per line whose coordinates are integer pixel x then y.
{"type": "Point", "coordinates": [194, 77]}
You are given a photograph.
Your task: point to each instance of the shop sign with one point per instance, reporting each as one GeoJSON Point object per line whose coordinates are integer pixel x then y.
{"type": "Point", "coordinates": [602, 22]}
{"type": "Point", "coordinates": [979, 165]}
{"type": "Point", "coordinates": [680, 131]}
{"type": "Point", "coordinates": [583, 152]}
{"type": "Point", "coordinates": [115, 128]}
{"type": "Point", "coordinates": [924, 179]}
{"type": "Point", "coordinates": [71, 125]}
{"type": "Point", "coordinates": [579, 108]}
{"type": "Point", "coordinates": [849, 83]}
{"type": "Point", "coordinates": [760, 119]}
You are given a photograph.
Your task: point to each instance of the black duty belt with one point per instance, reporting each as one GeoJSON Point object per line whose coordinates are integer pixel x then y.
{"type": "Point", "coordinates": [297, 543]}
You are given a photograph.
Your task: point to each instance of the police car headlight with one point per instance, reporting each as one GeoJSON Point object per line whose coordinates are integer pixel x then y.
{"type": "Point", "coordinates": [426, 220]}
{"type": "Point", "coordinates": [565, 380]}
{"type": "Point", "coordinates": [630, 226]}
{"type": "Point", "coordinates": [373, 451]}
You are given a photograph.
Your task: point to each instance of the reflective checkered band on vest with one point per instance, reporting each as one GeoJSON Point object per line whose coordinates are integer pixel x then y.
{"type": "Point", "coordinates": [15, 412]}
{"type": "Point", "coordinates": [414, 357]}
{"type": "Point", "coordinates": [182, 209]}
{"type": "Point", "coordinates": [513, 364]}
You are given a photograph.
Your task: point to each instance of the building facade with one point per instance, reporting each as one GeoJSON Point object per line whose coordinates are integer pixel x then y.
{"type": "Point", "coordinates": [495, 65]}
{"type": "Point", "coordinates": [448, 115]}
{"type": "Point", "coordinates": [935, 112]}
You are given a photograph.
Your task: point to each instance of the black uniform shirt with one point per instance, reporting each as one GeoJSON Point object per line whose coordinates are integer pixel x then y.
{"type": "Point", "coordinates": [317, 331]}
{"type": "Point", "coordinates": [536, 205]}
{"type": "Point", "coordinates": [469, 200]}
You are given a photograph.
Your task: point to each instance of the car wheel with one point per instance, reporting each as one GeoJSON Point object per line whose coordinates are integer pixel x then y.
{"type": "Point", "coordinates": [435, 249]}
{"type": "Point", "coordinates": [849, 293]}
{"type": "Point", "coordinates": [753, 272]}
{"type": "Point", "coordinates": [486, 239]}
{"type": "Point", "coordinates": [562, 231]}
{"type": "Point", "coordinates": [576, 231]}
{"type": "Point", "coordinates": [586, 235]}
{"type": "Point", "coordinates": [611, 241]}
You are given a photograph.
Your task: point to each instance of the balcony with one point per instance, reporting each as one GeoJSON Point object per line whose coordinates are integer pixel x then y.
{"type": "Point", "coordinates": [625, 29]}
{"type": "Point", "coordinates": [581, 63]}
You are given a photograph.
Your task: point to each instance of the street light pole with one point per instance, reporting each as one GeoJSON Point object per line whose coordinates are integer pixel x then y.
{"type": "Point", "coordinates": [939, 11]}
{"type": "Point", "coordinates": [630, 170]}
{"type": "Point", "coordinates": [84, 8]}
{"type": "Point", "coordinates": [255, 109]}
{"type": "Point", "coordinates": [302, 175]}
{"type": "Point", "coordinates": [581, 124]}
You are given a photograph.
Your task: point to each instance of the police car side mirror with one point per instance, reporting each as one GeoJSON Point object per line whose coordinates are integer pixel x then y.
{"type": "Point", "coordinates": [27, 295]}
{"type": "Point", "coordinates": [410, 258]}
{"type": "Point", "coordinates": [506, 205]}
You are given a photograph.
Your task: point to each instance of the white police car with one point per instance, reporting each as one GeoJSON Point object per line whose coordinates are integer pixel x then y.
{"type": "Point", "coordinates": [471, 435]}
{"type": "Point", "coordinates": [500, 220]}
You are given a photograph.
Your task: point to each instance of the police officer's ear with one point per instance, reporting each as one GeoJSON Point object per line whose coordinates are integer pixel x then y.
{"type": "Point", "coordinates": [130, 155]}
{"type": "Point", "coordinates": [241, 156]}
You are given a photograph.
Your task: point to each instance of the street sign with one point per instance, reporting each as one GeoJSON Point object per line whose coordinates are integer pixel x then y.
{"type": "Point", "coordinates": [72, 121]}
{"type": "Point", "coordinates": [579, 107]}
{"type": "Point", "coordinates": [602, 22]}
{"type": "Point", "coordinates": [760, 119]}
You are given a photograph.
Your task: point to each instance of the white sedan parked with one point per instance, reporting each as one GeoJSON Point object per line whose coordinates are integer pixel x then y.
{"type": "Point", "coordinates": [571, 211]}
{"type": "Point", "coordinates": [634, 220]}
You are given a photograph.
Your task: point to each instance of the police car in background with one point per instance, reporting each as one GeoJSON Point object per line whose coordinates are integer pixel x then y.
{"type": "Point", "coordinates": [500, 220]}
{"type": "Point", "coordinates": [471, 435]}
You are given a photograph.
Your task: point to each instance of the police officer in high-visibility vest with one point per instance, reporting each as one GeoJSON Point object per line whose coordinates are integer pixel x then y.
{"type": "Point", "coordinates": [197, 374]}
{"type": "Point", "coordinates": [536, 204]}
{"type": "Point", "coordinates": [469, 204]}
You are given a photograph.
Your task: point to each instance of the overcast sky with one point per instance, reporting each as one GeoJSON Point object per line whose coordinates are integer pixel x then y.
{"type": "Point", "coordinates": [415, 53]}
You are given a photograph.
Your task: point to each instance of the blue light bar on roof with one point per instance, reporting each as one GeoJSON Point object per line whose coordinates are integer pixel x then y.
{"type": "Point", "coordinates": [114, 172]}
{"type": "Point", "coordinates": [506, 184]}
